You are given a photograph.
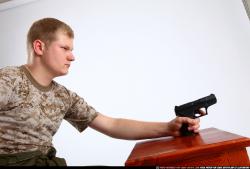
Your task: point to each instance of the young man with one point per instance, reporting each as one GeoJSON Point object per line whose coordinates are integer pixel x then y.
{"type": "Point", "coordinates": [32, 105]}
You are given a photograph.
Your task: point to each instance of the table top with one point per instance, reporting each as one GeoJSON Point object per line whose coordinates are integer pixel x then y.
{"type": "Point", "coordinates": [210, 139]}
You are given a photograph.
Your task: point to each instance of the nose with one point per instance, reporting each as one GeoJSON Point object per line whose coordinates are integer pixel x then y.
{"type": "Point", "coordinates": [71, 57]}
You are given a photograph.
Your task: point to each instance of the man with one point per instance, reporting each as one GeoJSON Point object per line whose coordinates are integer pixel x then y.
{"type": "Point", "coordinates": [33, 105]}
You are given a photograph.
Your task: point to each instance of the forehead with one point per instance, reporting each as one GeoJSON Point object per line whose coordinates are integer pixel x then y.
{"type": "Point", "coordinates": [60, 35]}
{"type": "Point", "coordinates": [62, 39]}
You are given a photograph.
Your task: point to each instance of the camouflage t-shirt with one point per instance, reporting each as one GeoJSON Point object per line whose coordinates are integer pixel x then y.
{"type": "Point", "coordinates": [30, 114]}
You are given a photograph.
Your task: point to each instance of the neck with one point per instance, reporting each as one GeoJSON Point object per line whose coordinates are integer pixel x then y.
{"type": "Point", "coordinates": [41, 75]}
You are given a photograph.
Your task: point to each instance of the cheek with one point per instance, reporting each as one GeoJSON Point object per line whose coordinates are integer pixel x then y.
{"type": "Point", "coordinates": [58, 56]}
{"type": "Point", "coordinates": [52, 60]}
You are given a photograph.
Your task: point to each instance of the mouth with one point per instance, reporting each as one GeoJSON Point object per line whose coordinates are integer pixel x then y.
{"type": "Point", "coordinates": [67, 65]}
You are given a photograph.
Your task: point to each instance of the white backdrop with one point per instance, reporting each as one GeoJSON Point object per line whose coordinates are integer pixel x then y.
{"type": "Point", "coordinates": [138, 59]}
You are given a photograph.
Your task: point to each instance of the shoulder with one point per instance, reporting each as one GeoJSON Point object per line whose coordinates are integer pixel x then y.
{"type": "Point", "coordinates": [59, 87]}
{"type": "Point", "coordinates": [62, 90]}
{"type": "Point", "coordinates": [10, 72]}
{"type": "Point", "coordinates": [66, 93]}
{"type": "Point", "coordinates": [9, 77]}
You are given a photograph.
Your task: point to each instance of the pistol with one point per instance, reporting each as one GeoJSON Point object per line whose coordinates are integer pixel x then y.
{"type": "Point", "coordinates": [192, 110]}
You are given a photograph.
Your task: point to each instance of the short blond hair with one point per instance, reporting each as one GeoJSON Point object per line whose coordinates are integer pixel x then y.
{"type": "Point", "coordinates": [46, 30]}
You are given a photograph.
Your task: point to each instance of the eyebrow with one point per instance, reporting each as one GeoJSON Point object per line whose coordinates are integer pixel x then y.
{"type": "Point", "coordinates": [67, 47]}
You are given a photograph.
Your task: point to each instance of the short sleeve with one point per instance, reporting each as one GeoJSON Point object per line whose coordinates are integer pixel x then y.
{"type": "Point", "coordinates": [80, 114]}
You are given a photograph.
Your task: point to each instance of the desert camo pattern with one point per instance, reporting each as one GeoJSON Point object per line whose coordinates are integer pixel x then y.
{"type": "Point", "coordinates": [30, 114]}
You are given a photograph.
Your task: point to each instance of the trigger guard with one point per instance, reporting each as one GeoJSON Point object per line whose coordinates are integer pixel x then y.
{"type": "Point", "coordinates": [197, 114]}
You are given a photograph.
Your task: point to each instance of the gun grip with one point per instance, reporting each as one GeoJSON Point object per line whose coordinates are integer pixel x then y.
{"type": "Point", "coordinates": [184, 130]}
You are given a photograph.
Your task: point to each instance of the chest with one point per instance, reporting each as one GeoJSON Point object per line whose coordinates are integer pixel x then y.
{"type": "Point", "coordinates": [30, 105]}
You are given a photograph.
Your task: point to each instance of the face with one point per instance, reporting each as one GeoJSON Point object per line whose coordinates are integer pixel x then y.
{"type": "Point", "coordinates": [57, 56]}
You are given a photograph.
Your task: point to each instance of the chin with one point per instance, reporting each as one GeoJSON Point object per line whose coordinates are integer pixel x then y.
{"type": "Point", "coordinates": [62, 73]}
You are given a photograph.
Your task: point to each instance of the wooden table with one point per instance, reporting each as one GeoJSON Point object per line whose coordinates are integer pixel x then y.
{"type": "Point", "coordinates": [211, 147]}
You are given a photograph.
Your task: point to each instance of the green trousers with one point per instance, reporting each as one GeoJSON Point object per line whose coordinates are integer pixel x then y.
{"type": "Point", "coordinates": [34, 158]}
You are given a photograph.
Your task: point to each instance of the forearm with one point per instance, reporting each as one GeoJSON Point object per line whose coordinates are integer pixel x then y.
{"type": "Point", "coordinates": [135, 130]}
{"type": "Point", "coordinates": [129, 129]}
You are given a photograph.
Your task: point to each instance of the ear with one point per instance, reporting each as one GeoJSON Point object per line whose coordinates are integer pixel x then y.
{"type": "Point", "coordinates": [38, 47]}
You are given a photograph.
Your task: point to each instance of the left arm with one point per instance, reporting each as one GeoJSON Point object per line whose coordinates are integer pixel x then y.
{"type": "Point", "coordinates": [133, 130]}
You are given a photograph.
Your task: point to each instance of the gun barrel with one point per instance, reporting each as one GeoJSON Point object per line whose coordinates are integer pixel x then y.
{"type": "Point", "coordinates": [209, 100]}
{"type": "Point", "coordinates": [202, 102]}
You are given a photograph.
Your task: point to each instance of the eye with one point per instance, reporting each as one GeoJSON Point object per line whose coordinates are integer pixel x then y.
{"type": "Point", "coordinates": [65, 48]}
